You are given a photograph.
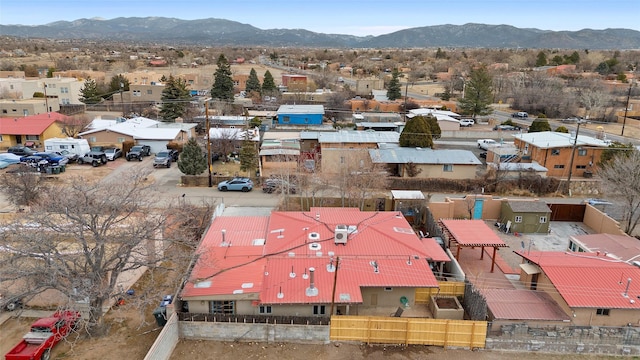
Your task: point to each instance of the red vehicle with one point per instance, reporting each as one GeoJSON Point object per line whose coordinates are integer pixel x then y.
{"type": "Point", "coordinates": [45, 333]}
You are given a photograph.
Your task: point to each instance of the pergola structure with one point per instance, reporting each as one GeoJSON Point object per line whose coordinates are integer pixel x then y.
{"type": "Point", "coordinates": [471, 233]}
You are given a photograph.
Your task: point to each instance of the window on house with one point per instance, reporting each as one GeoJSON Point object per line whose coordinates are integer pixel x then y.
{"type": "Point", "coordinates": [149, 92]}
{"type": "Point", "coordinates": [1, 138]}
{"type": "Point", "coordinates": [582, 152]}
{"type": "Point", "coordinates": [286, 119]}
{"type": "Point", "coordinates": [92, 139]}
{"type": "Point", "coordinates": [4, 111]}
{"type": "Point", "coordinates": [581, 166]}
{"type": "Point", "coordinates": [518, 219]}
{"type": "Point", "coordinates": [33, 137]}
{"type": "Point", "coordinates": [558, 166]}
{"type": "Point", "coordinates": [136, 93]}
{"type": "Point", "coordinates": [121, 140]}
{"type": "Point", "coordinates": [319, 310]}
{"type": "Point", "coordinates": [265, 309]}
{"type": "Point", "coordinates": [555, 152]}
{"type": "Point", "coordinates": [222, 307]}
{"type": "Point", "coordinates": [447, 167]}
{"type": "Point", "coordinates": [388, 289]}
{"type": "Point", "coordinates": [603, 312]}
{"type": "Point", "coordinates": [543, 219]}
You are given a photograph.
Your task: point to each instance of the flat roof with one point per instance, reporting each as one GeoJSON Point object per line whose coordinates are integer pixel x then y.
{"type": "Point", "coordinates": [472, 233]}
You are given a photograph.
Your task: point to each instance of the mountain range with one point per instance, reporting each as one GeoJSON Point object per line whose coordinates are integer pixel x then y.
{"type": "Point", "coordinates": [220, 32]}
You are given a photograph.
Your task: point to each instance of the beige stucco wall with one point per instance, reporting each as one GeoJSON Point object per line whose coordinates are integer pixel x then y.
{"type": "Point", "coordinates": [107, 138]}
{"type": "Point", "coordinates": [387, 298]}
{"type": "Point", "coordinates": [600, 222]}
{"type": "Point", "coordinates": [458, 208]}
{"type": "Point", "coordinates": [336, 160]}
{"type": "Point", "coordinates": [449, 125]}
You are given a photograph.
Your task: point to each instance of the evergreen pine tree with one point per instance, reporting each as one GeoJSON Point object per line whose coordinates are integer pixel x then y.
{"type": "Point", "coordinates": [248, 156]}
{"type": "Point", "coordinates": [253, 83]}
{"type": "Point", "coordinates": [541, 60]}
{"type": "Point", "coordinates": [192, 160]}
{"type": "Point", "coordinates": [268, 84]}
{"type": "Point", "coordinates": [223, 82]}
{"type": "Point", "coordinates": [434, 128]}
{"type": "Point", "coordinates": [89, 92]}
{"type": "Point", "coordinates": [175, 98]}
{"type": "Point", "coordinates": [114, 84]}
{"type": "Point", "coordinates": [478, 94]}
{"type": "Point", "coordinates": [539, 125]}
{"type": "Point", "coordinates": [394, 89]}
{"type": "Point", "coordinates": [416, 133]}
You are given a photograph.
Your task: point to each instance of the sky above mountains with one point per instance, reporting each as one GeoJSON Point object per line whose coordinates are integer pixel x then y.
{"type": "Point", "coordinates": [360, 18]}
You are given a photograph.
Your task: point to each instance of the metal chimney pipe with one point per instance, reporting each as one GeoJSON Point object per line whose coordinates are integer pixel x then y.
{"type": "Point", "coordinates": [626, 290]}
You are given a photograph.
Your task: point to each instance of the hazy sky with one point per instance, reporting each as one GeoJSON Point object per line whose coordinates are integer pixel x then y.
{"type": "Point", "coordinates": [371, 17]}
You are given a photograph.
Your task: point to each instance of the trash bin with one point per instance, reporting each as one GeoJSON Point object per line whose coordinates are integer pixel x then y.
{"type": "Point", "coordinates": [55, 169]}
{"type": "Point", "coordinates": [160, 313]}
{"type": "Point", "coordinates": [48, 170]}
{"type": "Point", "coordinates": [63, 168]}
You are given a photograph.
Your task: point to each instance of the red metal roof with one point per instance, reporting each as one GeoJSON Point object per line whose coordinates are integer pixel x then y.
{"type": "Point", "coordinates": [353, 274]}
{"type": "Point", "coordinates": [298, 241]}
{"type": "Point", "coordinates": [511, 304]}
{"type": "Point", "coordinates": [621, 247]}
{"type": "Point", "coordinates": [29, 125]}
{"type": "Point", "coordinates": [590, 280]}
{"type": "Point", "coordinates": [472, 233]}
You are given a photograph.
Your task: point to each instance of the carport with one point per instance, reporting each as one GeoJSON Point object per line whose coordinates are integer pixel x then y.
{"type": "Point", "coordinates": [471, 233]}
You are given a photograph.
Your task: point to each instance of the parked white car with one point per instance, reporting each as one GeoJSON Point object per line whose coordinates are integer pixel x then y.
{"type": "Point", "coordinates": [485, 143]}
{"type": "Point", "coordinates": [466, 122]}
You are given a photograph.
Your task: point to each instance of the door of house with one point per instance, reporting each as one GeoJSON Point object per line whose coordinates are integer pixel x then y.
{"type": "Point", "coordinates": [374, 299]}
{"type": "Point", "coordinates": [18, 139]}
{"type": "Point", "coordinates": [477, 209]}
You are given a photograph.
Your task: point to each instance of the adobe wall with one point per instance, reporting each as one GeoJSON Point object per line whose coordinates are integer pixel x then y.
{"type": "Point", "coordinates": [198, 330]}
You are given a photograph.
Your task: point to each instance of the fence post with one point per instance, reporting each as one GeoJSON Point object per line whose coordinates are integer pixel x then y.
{"type": "Point", "coordinates": [446, 334]}
{"type": "Point", "coordinates": [473, 334]}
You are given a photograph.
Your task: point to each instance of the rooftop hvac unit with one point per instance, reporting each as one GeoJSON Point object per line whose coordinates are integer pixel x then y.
{"type": "Point", "coordinates": [341, 233]}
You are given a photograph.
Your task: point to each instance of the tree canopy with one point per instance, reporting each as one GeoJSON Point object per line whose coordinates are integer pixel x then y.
{"type": "Point", "coordinates": [539, 125]}
{"type": "Point", "coordinates": [253, 83]}
{"type": "Point", "coordinates": [478, 93]}
{"type": "Point", "coordinates": [89, 92]}
{"type": "Point", "coordinates": [394, 90]}
{"type": "Point", "coordinates": [192, 160]}
{"type": "Point", "coordinates": [268, 84]}
{"type": "Point", "coordinates": [248, 156]}
{"type": "Point", "coordinates": [222, 81]}
{"type": "Point", "coordinates": [416, 133]}
{"type": "Point", "coordinates": [175, 98]}
{"type": "Point", "coordinates": [620, 180]}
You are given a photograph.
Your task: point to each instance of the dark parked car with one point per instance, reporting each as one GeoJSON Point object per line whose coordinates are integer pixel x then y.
{"type": "Point", "coordinates": [236, 184]}
{"type": "Point", "coordinates": [138, 152]}
{"type": "Point", "coordinates": [53, 158]}
{"type": "Point", "coordinates": [95, 158]}
{"type": "Point", "coordinates": [21, 150]}
{"type": "Point", "coordinates": [165, 158]}
{"type": "Point", "coordinates": [507, 127]}
{"type": "Point", "coordinates": [278, 185]}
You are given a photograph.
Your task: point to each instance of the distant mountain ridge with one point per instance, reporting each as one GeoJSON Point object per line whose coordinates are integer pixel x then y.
{"type": "Point", "coordinates": [220, 32]}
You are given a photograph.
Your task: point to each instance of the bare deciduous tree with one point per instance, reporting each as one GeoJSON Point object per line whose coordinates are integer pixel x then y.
{"type": "Point", "coordinates": [81, 238]}
{"type": "Point", "coordinates": [23, 187]}
{"type": "Point", "coordinates": [620, 181]}
{"type": "Point", "coordinates": [74, 125]}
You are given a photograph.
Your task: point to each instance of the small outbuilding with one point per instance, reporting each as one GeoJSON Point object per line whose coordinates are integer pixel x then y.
{"type": "Point", "coordinates": [526, 216]}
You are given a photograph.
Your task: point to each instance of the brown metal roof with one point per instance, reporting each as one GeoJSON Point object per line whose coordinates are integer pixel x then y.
{"type": "Point", "coordinates": [471, 233]}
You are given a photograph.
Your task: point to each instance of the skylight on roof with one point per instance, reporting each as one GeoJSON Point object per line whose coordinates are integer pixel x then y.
{"type": "Point", "coordinates": [202, 284]}
{"type": "Point", "coordinates": [403, 230]}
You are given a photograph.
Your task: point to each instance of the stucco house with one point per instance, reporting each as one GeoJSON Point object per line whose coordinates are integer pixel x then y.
{"type": "Point", "coordinates": [287, 264]}
{"type": "Point", "coordinates": [35, 128]}
{"type": "Point", "coordinates": [142, 131]}
{"type": "Point", "coordinates": [592, 288]}
{"type": "Point", "coordinates": [428, 163]}
{"type": "Point", "coordinates": [350, 149]}
{"type": "Point", "coordinates": [447, 120]}
{"type": "Point", "coordinates": [554, 151]}
{"type": "Point", "coordinates": [300, 114]}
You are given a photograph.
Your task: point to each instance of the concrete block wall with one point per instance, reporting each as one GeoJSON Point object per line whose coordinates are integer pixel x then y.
{"type": "Point", "coordinates": [166, 341]}
{"type": "Point", "coordinates": [196, 330]}
{"type": "Point", "coordinates": [545, 346]}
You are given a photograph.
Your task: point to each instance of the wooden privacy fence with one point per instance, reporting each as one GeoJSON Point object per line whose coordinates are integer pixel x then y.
{"type": "Point", "coordinates": [448, 288]}
{"type": "Point", "coordinates": [409, 331]}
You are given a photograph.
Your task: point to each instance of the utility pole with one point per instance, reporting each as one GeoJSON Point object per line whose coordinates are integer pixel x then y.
{"type": "Point", "coordinates": [121, 98]}
{"type": "Point", "coordinates": [406, 90]}
{"type": "Point", "coordinates": [573, 153]}
{"type": "Point", "coordinates": [46, 100]}
{"type": "Point", "coordinates": [626, 108]}
{"type": "Point", "coordinates": [335, 281]}
{"type": "Point", "coordinates": [208, 136]}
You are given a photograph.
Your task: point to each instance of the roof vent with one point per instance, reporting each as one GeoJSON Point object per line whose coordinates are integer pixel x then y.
{"type": "Point", "coordinates": [315, 246]}
{"type": "Point", "coordinates": [314, 236]}
{"type": "Point", "coordinates": [341, 234]}
{"type": "Point", "coordinates": [312, 290]}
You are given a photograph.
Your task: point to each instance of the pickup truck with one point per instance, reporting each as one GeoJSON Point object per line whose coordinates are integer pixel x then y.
{"type": "Point", "coordinates": [485, 143]}
{"type": "Point", "coordinates": [45, 333]}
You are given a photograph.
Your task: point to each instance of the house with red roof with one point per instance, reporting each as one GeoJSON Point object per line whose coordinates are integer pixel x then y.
{"type": "Point", "coordinates": [592, 288]}
{"type": "Point", "coordinates": [300, 263]}
{"type": "Point", "coordinates": [34, 128]}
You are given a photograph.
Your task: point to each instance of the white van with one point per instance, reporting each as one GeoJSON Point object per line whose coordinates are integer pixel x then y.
{"type": "Point", "coordinates": [74, 146]}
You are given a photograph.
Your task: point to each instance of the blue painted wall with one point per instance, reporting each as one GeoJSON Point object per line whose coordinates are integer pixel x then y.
{"type": "Point", "coordinates": [300, 119]}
